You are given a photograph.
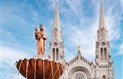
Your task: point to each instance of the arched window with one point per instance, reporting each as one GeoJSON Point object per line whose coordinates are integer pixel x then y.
{"type": "Point", "coordinates": [101, 54]}
{"type": "Point", "coordinates": [79, 76]}
{"type": "Point", "coordinates": [57, 54]}
{"type": "Point", "coordinates": [104, 77]}
{"type": "Point", "coordinates": [105, 53]}
{"type": "Point", "coordinates": [53, 53]}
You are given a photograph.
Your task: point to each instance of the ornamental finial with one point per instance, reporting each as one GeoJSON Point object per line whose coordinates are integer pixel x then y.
{"type": "Point", "coordinates": [78, 48]}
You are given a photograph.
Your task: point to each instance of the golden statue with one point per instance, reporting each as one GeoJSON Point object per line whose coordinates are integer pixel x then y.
{"type": "Point", "coordinates": [40, 37]}
{"type": "Point", "coordinates": [78, 48]}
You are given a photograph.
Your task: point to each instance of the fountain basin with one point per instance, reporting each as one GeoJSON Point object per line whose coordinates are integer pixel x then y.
{"type": "Point", "coordinates": [39, 68]}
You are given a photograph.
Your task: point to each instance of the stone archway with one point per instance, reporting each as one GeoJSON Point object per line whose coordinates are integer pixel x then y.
{"type": "Point", "coordinates": [79, 73]}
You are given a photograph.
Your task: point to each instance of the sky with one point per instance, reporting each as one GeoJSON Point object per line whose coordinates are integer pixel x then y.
{"type": "Point", "coordinates": [79, 20]}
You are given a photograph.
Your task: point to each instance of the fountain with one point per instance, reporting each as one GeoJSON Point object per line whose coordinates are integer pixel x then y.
{"type": "Point", "coordinates": [40, 66]}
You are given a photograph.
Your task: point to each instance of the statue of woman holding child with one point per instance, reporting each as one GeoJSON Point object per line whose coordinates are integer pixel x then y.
{"type": "Point", "coordinates": [40, 36]}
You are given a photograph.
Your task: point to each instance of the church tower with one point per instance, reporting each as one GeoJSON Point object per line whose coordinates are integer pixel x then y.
{"type": "Point", "coordinates": [104, 69]}
{"type": "Point", "coordinates": [56, 45]}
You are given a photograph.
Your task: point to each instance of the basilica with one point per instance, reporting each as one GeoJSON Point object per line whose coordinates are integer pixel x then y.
{"type": "Point", "coordinates": [79, 67]}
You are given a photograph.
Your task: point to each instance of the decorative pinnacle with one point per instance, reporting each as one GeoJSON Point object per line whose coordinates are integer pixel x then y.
{"type": "Point", "coordinates": [41, 24]}
{"type": "Point", "coordinates": [100, 0]}
{"type": "Point", "coordinates": [78, 48]}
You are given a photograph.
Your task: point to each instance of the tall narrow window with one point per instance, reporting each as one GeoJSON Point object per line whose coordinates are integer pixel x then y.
{"type": "Point", "coordinates": [53, 53]}
{"type": "Point", "coordinates": [101, 54]}
{"type": "Point", "coordinates": [105, 52]}
{"type": "Point", "coordinates": [104, 77]}
{"type": "Point", "coordinates": [57, 54]}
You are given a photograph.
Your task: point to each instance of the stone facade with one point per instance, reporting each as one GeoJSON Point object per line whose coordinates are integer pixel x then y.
{"type": "Point", "coordinates": [79, 67]}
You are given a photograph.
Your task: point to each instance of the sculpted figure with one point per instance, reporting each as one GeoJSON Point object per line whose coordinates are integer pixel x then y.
{"type": "Point", "coordinates": [40, 37]}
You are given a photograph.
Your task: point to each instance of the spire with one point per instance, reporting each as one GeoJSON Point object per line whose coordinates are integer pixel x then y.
{"type": "Point", "coordinates": [102, 43]}
{"type": "Point", "coordinates": [101, 21]}
{"type": "Point", "coordinates": [56, 25]}
{"type": "Point", "coordinates": [102, 31]}
{"type": "Point", "coordinates": [56, 45]}
{"type": "Point", "coordinates": [56, 17]}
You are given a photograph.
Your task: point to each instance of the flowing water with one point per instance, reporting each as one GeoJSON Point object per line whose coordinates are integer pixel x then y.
{"type": "Point", "coordinates": [43, 70]}
{"type": "Point", "coordinates": [58, 69]}
{"type": "Point", "coordinates": [19, 69]}
{"type": "Point", "coordinates": [35, 70]}
{"type": "Point", "coordinates": [27, 68]}
{"type": "Point", "coordinates": [62, 68]}
{"type": "Point", "coordinates": [52, 70]}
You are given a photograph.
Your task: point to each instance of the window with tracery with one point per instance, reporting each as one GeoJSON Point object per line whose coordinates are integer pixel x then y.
{"type": "Point", "coordinates": [79, 76]}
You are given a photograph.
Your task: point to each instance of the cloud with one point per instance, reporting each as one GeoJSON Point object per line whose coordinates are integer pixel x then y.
{"type": "Point", "coordinates": [79, 23]}
{"type": "Point", "coordinates": [121, 49]}
{"type": "Point", "coordinates": [121, 1]}
{"type": "Point", "coordinates": [86, 39]}
{"type": "Point", "coordinates": [9, 71]}
{"type": "Point", "coordinates": [9, 57]}
{"type": "Point", "coordinates": [13, 54]}
{"type": "Point", "coordinates": [84, 31]}
{"type": "Point", "coordinates": [35, 16]}
{"type": "Point", "coordinates": [69, 55]}
{"type": "Point", "coordinates": [84, 27]}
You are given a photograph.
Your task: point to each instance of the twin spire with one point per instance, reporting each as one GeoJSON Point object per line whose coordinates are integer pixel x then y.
{"type": "Point", "coordinates": [57, 33]}
{"type": "Point", "coordinates": [57, 19]}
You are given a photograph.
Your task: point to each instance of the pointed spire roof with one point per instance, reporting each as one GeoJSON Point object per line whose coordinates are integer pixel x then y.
{"type": "Point", "coordinates": [102, 33]}
{"type": "Point", "coordinates": [101, 21]}
{"type": "Point", "coordinates": [56, 26]}
{"type": "Point", "coordinates": [56, 17]}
